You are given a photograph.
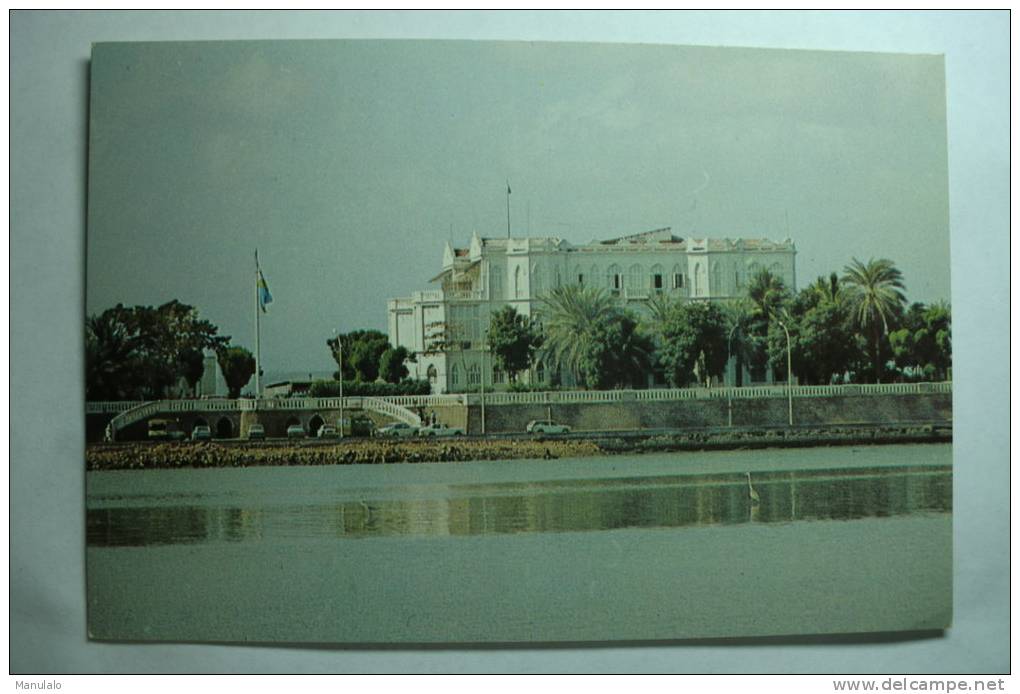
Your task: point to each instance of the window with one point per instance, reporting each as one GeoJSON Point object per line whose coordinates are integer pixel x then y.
{"type": "Point", "coordinates": [497, 375]}
{"type": "Point", "coordinates": [431, 373]}
{"type": "Point", "coordinates": [518, 289]}
{"type": "Point", "coordinates": [496, 282]}
{"type": "Point", "coordinates": [474, 375]}
{"type": "Point", "coordinates": [613, 278]}
{"type": "Point", "coordinates": [678, 280]}
{"type": "Point", "coordinates": [539, 372]}
{"type": "Point", "coordinates": [580, 278]}
{"type": "Point", "coordinates": [454, 375]}
{"type": "Point", "coordinates": [636, 280]}
{"type": "Point", "coordinates": [657, 281]}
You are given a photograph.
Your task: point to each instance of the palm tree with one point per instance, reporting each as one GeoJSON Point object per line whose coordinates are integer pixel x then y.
{"type": "Point", "coordinates": [766, 292]}
{"type": "Point", "coordinates": [739, 314]}
{"type": "Point", "coordinates": [876, 297]}
{"type": "Point", "coordinates": [109, 350]}
{"type": "Point", "coordinates": [567, 316]}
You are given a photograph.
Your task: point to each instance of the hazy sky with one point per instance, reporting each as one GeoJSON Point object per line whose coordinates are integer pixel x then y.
{"type": "Point", "coordinates": [349, 163]}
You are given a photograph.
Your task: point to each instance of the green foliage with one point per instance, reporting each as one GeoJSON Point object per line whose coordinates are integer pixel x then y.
{"type": "Point", "coordinates": [391, 365]}
{"type": "Point", "coordinates": [767, 295]}
{"type": "Point", "coordinates": [568, 315]}
{"type": "Point", "coordinates": [617, 354]}
{"type": "Point", "coordinates": [513, 339]}
{"type": "Point", "coordinates": [359, 354]}
{"type": "Point", "coordinates": [923, 347]}
{"type": "Point", "coordinates": [875, 297]}
{"type": "Point", "coordinates": [140, 352]}
{"type": "Point", "coordinates": [694, 341]}
{"type": "Point", "coordinates": [331, 389]}
{"type": "Point", "coordinates": [238, 366]}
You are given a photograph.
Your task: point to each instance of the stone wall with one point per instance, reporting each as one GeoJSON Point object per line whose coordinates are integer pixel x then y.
{"type": "Point", "coordinates": [850, 409]}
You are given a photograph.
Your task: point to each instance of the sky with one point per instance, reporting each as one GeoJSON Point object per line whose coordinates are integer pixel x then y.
{"type": "Point", "coordinates": [348, 164]}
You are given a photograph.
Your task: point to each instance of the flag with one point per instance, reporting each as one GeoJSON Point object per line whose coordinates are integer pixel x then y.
{"type": "Point", "coordinates": [264, 296]}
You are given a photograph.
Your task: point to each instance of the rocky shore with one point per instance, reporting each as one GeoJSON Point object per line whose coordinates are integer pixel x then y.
{"type": "Point", "coordinates": [143, 456]}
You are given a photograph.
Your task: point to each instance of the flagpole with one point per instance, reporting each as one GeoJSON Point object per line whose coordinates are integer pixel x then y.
{"type": "Point", "coordinates": [258, 350]}
{"type": "Point", "coordinates": [508, 208]}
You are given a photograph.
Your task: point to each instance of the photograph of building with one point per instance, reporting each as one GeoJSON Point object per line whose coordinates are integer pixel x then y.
{"type": "Point", "coordinates": [495, 272]}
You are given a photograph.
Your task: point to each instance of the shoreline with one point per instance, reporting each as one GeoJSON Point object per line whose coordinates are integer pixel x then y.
{"type": "Point", "coordinates": [214, 454]}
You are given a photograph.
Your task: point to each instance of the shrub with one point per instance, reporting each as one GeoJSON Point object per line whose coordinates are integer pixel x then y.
{"type": "Point", "coordinates": [331, 389]}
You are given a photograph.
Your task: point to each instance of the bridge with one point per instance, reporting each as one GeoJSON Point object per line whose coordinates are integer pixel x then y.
{"type": "Point", "coordinates": [583, 410]}
{"type": "Point", "coordinates": [231, 418]}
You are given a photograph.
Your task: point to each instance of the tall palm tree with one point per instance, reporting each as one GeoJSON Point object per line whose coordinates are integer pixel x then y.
{"type": "Point", "coordinates": [739, 314]}
{"type": "Point", "coordinates": [766, 292]}
{"type": "Point", "coordinates": [875, 293]}
{"type": "Point", "coordinates": [567, 315]}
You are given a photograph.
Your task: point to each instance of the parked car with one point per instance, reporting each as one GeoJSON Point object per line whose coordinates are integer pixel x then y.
{"type": "Point", "coordinates": [547, 426]}
{"type": "Point", "coordinates": [165, 430]}
{"type": "Point", "coordinates": [327, 431]}
{"type": "Point", "coordinates": [438, 429]}
{"type": "Point", "coordinates": [202, 432]}
{"type": "Point", "coordinates": [256, 431]}
{"type": "Point", "coordinates": [295, 431]}
{"type": "Point", "coordinates": [400, 429]}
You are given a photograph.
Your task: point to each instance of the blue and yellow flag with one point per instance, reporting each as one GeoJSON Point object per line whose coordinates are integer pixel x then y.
{"type": "Point", "coordinates": [264, 296]}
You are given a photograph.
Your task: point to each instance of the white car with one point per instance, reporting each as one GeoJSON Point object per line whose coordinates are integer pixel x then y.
{"type": "Point", "coordinates": [438, 429]}
{"type": "Point", "coordinates": [398, 430]}
{"type": "Point", "coordinates": [201, 433]}
{"type": "Point", "coordinates": [295, 431]}
{"type": "Point", "coordinates": [327, 431]}
{"type": "Point", "coordinates": [547, 426]}
{"type": "Point", "coordinates": [256, 431]}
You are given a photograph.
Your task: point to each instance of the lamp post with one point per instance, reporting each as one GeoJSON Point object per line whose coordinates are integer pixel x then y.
{"type": "Point", "coordinates": [789, 370]}
{"type": "Point", "coordinates": [729, 389]}
{"type": "Point", "coordinates": [481, 383]}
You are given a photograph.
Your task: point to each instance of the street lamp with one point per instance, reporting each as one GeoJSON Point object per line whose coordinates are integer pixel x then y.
{"type": "Point", "coordinates": [789, 370]}
{"type": "Point", "coordinates": [729, 390]}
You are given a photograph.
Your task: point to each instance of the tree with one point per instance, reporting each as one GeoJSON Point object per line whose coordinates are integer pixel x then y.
{"type": "Point", "coordinates": [513, 339]}
{"type": "Point", "coordinates": [922, 347]}
{"type": "Point", "coordinates": [109, 358]}
{"type": "Point", "coordinates": [617, 354]}
{"type": "Point", "coordinates": [141, 351]}
{"type": "Point", "coordinates": [569, 316]}
{"type": "Point", "coordinates": [875, 296]}
{"type": "Point", "coordinates": [739, 316]}
{"type": "Point", "coordinates": [767, 295]}
{"type": "Point", "coordinates": [694, 343]}
{"type": "Point", "coordinates": [238, 366]}
{"type": "Point", "coordinates": [358, 353]}
{"type": "Point", "coordinates": [391, 365]}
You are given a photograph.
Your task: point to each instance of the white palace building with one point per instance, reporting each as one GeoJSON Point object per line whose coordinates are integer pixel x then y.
{"type": "Point", "coordinates": [495, 272]}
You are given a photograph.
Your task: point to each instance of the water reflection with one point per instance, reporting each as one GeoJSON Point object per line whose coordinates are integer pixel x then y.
{"type": "Point", "coordinates": [556, 506]}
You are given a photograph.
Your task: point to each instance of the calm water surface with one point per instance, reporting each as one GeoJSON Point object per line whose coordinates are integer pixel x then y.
{"type": "Point", "coordinates": [634, 547]}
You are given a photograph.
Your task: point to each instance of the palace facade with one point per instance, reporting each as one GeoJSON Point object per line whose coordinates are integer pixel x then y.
{"type": "Point", "coordinates": [495, 272]}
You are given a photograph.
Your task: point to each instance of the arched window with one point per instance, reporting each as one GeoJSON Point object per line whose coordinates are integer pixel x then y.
{"type": "Point", "coordinates": [636, 279]}
{"type": "Point", "coordinates": [579, 274]}
{"type": "Point", "coordinates": [539, 372]}
{"type": "Point", "coordinates": [496, 281]}
{"type": "Point", "coordinates": [431, 374]}
{"type": "Point", "coordinates": [753, 270]}
{"type": "Point", "coordinates": [699, 281]}
{"type": "Point", "coordinates": [536, 281]}
{"type": "Point", "coordinates": [614, 280]}
{"type": "Point", "coordinates": [658, 281]}
{"type": "Point", "coordinates": [454, 375]}
{"type": "Point", "coordinates": [678, 278]}
{"type": "Point", "coordinates": [518, 282]}
{"type": "Point", "coordinates": [474, 375]}
{"type": "Point", "coordinates": [716, 286]}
